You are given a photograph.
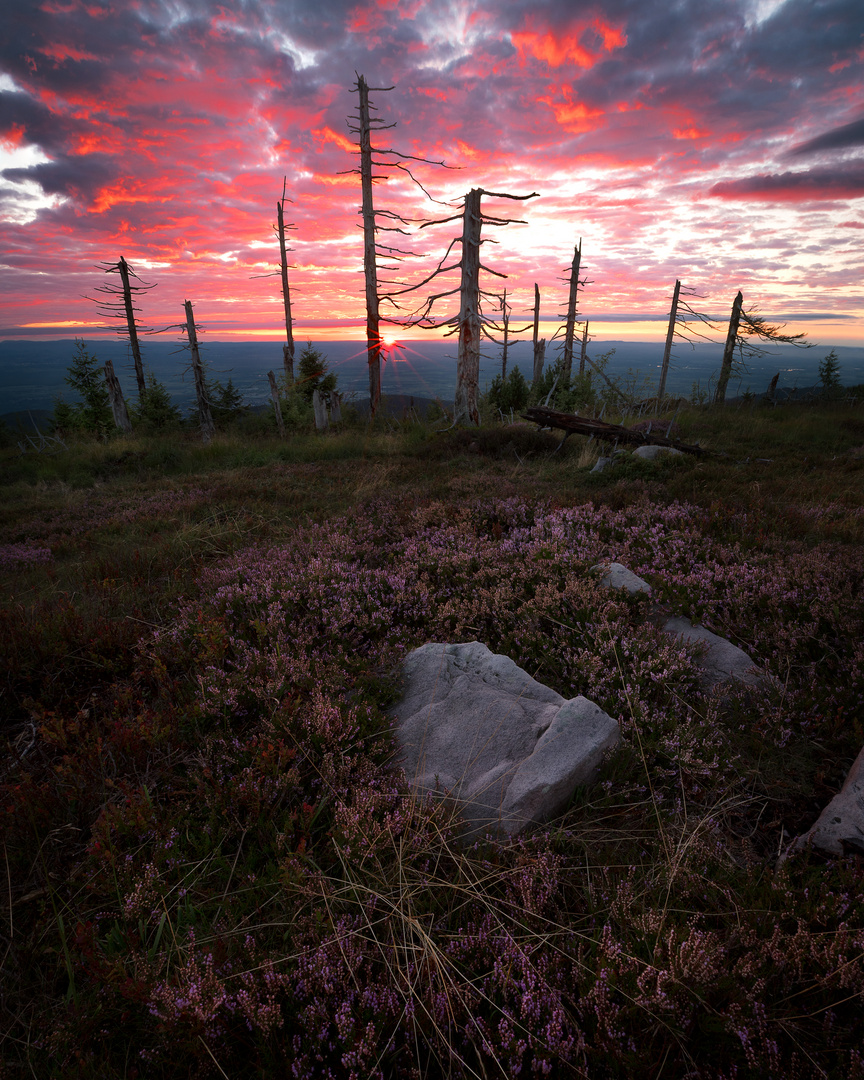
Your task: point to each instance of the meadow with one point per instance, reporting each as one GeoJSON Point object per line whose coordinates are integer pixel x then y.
{"type": "Point", "coordinates": [212, 866]}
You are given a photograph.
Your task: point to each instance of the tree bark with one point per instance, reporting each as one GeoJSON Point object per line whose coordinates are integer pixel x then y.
{"type": "Point", "coordinates": [729, 350]}
{"type": "Point", "coordinates": [208, 429]}
{"type": "Point", "coordinates": [133, 329]}
{"type": "Point", "coordinates": [570, 325]}
{"type": "Point", "coordinates": [667, 350]}
{"type": "Point", "coordinates": [287, 349]}
{"type": "Point", "coordinates": [277, 407]}
{"type": "Point", "coordinates": [115, 396]}
{"type": "Point", "coordinates": [373, 334]}
{"type": "Point", "coordinates": [319, 407]}
{"type": "Point", "coordinates": [468, 360]}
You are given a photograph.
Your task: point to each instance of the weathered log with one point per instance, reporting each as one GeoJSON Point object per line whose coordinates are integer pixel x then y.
{"type": "Point", "coordinates": [277, 406]}
{"type": "Point", "coordinates": [572, 424]}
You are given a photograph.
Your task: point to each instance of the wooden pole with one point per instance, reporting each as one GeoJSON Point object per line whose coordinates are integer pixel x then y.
{"type": "Point", "coordinates": [277, 407]}
{"type": "Point", "coordinates": [208, 429]}
{"type": "Point", "coordinates": [584, 354]}
{"type": "Point", "coordinates": [130, 322]}
{"type": "Point", "coordinates": [570, 325]}
{"type": "Point", "coordinates": [115, 396]}
{"type": "Point", "coordinates": [287, 349]}
{"type": "Point", "coordinates": [670, 336]}
{"type": "Point", "coordinates": [729, 350]}
{"type": "Point", "coordinates": [373, 335]}
{"type": "Point", "coordinates": [468, 360]}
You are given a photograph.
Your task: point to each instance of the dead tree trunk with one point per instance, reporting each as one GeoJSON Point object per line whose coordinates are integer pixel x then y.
{"type": "Point", "coordinates": [505, 323]}
{"type": "Point", "coordinates": [468, 359]}
{"type": "Point", "coordinates": [570, 324]}
{"type": "Point", "coordinates": [115, 396]}
{"type": "Point", "coordinates": [208, 429]}
{"type": "Point", "coordinates": [667, 351]}
{"type": "Point", "coordinates": [132, 325]}
{"type": "Point", "coordinates": [584, 354]}
{"type": "Point", "coordinates": [729, 350]}
{"type": "Point", "coordinates": [373, 333]}
{"type": "Point", "coordinates": [319, 408]}
{"type": "Point", "coordinates": [288, 348]}
{"type": "Point", "coordinates": [277, 406]}
{"type": "Point", "coordinates": [539, 344]}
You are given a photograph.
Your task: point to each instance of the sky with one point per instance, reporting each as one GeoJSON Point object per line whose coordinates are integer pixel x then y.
{"type": "Point", "coordinates": [721, 143]}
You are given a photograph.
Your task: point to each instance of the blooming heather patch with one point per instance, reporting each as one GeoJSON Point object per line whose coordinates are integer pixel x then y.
{"type": "Point", "coordinates": [17, 556]}
{"type": "Point", "coordinates": [279, 903]}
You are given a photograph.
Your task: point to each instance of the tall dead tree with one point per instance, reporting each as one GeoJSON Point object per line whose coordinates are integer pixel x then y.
{"type": "Point", "coordinates": [570, 321]}
{"type": "Point", "coordinates": [277, 405]}
{"type": "Point", "coordinates": [670, 334]}
{"type": "Point", "coordinates": [505, 328]}
{"type": "Point", "coordinates": [682, 319]}
{"type": "Point", "coordinates": [119, 303]}
{"type": "Point", "coordinates": [288, 348]}
{"type": "Point", "coordinates": [747, 331]}
{"type": "Point", "coordinates": [208, 429]}
{"type": "Point", "coordinates": [115, 396]}
{"type": "Point", "coordinates": [372, 157]}
{"type": "Point", "coordinates": [583, 355]}
{"type": "Point", "coordinates": [470, 323]}
{"type": "Point", "coordinates": [539, 344]}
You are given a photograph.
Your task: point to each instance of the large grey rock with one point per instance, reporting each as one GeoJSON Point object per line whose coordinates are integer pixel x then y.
{"type": "Point", "coordinates": [617, 576]}
{"type": "Point", "coordinates": [723, 661]}
{"type": "Point", "coordinates": [839, 829]}
{"type": "Point", "coordinates": [474, 726]}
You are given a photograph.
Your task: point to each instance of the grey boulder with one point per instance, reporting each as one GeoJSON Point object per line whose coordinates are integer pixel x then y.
{"type": "Point", "coordinates": [839, 829]}
{"type": "Point", "coordinates": [651, 453]}
{"type": "Point", "coordinates": [616, 576]}
{"type": "Point", "coordinates": [722, 662]}
{"type": "Point", "coordinates": [473, 726]}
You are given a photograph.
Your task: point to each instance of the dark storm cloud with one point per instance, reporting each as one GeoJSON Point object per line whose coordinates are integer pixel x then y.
{"type": "Point", "coordinates": [816, 184]}
{"type": "Point", "coordinates": [840, 138]}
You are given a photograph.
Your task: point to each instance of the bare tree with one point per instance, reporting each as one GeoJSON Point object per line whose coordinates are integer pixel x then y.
{"type": "Point", "coordinates": [583, 355]}
{"type": "Point", "coordinates": [470, 322]}
{"type": "Point", "coordinates": [208, 429]}
{"type": "Point", "coordinates": [539, 343]}
{"type": "Point", "coordinates": [505, 329]}
{"type": "Point", "coordinates": [372, 157]}
{"type": "Point", "coordinates": [277, 406]}
{"type": "Point", "coordinates": [747, 331]}
{"type": "Point", "coordinates": [119, 303]}
{"type": "Point", "coordinates": [288, 348]}
{"type": "Point", "coordinates": [682, 316]}
{"type": "Point", "coordinates": [570, 321]}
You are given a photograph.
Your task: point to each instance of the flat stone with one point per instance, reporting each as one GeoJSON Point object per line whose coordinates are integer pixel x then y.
{"type": "Point", "coordinates": [650, 453]}
{"type": "Point", "coordinates": [617, 576]}
{"type": "Point", "coordinates": [473, 726]}
{"type": "Point", "coordinates": [723, 661]}
{"type": "Point", "coordinates": [839, 829]}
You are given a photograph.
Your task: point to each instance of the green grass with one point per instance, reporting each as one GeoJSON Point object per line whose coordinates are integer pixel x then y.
{"type": "Point", "coordinates": [196, 798]}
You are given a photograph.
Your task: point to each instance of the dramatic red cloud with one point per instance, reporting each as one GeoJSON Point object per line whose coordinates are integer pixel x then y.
{"type": "Point", "coordinates": [721, 145]}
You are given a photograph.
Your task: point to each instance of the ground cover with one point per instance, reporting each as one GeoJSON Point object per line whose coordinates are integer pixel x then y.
{"type": "Point", "coordinates": [212, 867]}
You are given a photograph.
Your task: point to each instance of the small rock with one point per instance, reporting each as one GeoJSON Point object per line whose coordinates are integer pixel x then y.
{"type": "Point", "coordinates": [474, 726]}
{"type": "Point", "coordinates": [839, 829]}
{"type": "Point", "coordinates": [650, 453]}
{"type": "Point", "coordinates": [617, 576]}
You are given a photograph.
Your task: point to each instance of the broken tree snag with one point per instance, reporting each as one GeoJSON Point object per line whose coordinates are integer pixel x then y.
{"type": "Point", "coordinates": [288, 348]}
{"type": "Point", "coordinates": [319, 408]}
{"type": "Point", "coordinates": [505, 323]}
{"type": "Point", "coordinates": [729, 349]}
{"type": "Point", "coordinates": [370, 266]}
{"type": "Point", "coordinates": [468, 359]}
{"type": "Point", "coordinates": [115, 396]}
{"type": "Point", "coordinates": [584, 354]}
{"type": "Point", "coordinates": [570, 324]}
{"type": "Point", "coordinates": [120, 304]}
{"type": "Point", "coordinates": [208, 429]}
{"type": "Point", "coordinates": [539, 344]}
{"type": "Point", "coordinates": [277, 406]}
{"type": "Point", "coordinates": [571, 424]}
{"type": "Point", "coordinates": [667, 349]}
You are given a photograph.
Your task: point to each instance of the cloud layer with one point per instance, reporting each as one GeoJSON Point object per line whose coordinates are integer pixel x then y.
{"type": "Point", "coordinates": [720, 143]}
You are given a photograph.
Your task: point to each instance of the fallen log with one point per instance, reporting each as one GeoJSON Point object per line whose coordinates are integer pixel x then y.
{"type": "Point", "coordinates": [571, 424]}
